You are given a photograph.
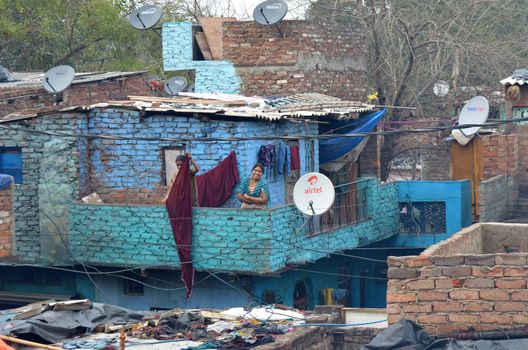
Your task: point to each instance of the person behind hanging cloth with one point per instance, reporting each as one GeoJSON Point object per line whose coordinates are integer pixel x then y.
{"type": "Point", "coordinates": [194, 168]}
{"type": "Point", "coordinates": [253, 191]}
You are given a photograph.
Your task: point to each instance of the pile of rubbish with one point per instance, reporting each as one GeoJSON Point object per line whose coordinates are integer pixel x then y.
{"type": "Point", "coordinates": [70, 323]}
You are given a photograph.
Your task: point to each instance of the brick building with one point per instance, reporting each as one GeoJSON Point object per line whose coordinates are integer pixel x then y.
{"type": "Point", "coordinates": [26, 94]}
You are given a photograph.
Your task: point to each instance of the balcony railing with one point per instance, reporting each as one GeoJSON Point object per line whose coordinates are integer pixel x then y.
{"type": "Point", "coordinates": [350, 206]}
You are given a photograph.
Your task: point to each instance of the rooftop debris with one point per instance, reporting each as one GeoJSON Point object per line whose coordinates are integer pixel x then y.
{"type": "Point", "coordinates": [229, 105]}
{"type": "Point", "coordinates": [81, 324]}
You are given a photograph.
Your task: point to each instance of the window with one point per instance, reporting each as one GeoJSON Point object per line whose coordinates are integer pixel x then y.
{"type": "Point", "coordinates": [11, 162]}
{"type": "Point", "coordinates": [132, 287]}
{"type": "Point", "coordinates": [422, 217]}
{"type": "Point", "coordinates": [169, 162]}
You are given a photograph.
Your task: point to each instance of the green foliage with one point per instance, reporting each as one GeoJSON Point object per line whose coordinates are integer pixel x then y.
{"type": "Point", "coordinates": [90, 35]}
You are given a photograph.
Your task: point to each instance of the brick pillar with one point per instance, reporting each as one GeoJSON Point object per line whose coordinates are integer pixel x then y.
{"type": "Point", "coordinates": [7, 221]}
{"type": "Point", "coordinates": [370, 158]}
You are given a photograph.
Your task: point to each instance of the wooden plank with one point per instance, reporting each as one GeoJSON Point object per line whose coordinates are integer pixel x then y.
{"type": "Point", "coordinates": [212, 28]}
{"type": "Point", "coordinates": [204, 46]}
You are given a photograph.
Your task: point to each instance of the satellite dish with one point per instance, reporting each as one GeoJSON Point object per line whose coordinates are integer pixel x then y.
{"type": "Point", "coordinates": [440, 88]}
{"type": "Point", "coordinates": [145, 17]}
{"type": "Point", "coordinates": [475, 111]}
{"type": "Point", "coordinates": [313, 194]}
{"type": "Point", "coordinates": [270, 12]}
{"type": "Point", "coordinates": [58, 78]}
{"type": "Point", "coordinates": [175, 85]}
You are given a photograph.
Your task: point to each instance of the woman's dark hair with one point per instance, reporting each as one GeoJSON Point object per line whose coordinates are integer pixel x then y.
{"type": "Point", "coordinates": [258, 165]}
{"type": "Point", "coordinates": [180, 158]}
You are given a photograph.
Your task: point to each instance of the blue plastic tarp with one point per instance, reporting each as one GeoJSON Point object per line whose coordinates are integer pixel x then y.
{"type": "Point", "coordinates": [336, 147]}
{"type": "Point", "coordinates": [5, 181]}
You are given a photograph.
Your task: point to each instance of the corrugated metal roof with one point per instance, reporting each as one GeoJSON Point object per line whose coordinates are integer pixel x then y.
{"type": "Point", "coordinates": [231, 106]}
{"type": "Point", "coordinates": [514, 81]}
{"type": "Point", "coordinates": [519, 77]}
{"type": "Point", "coordinates": [31, 79]}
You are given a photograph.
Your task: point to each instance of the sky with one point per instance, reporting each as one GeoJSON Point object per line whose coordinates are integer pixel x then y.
{"type": "Point", "coordinates": [244, 8]}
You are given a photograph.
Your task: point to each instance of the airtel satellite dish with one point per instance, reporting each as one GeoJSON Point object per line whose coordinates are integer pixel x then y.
{"type": "Point", "coordinates": [175, 85]}
{"type": "Point", "coordinates": [270, 12]}
{"type": "Point", "coordinates": [313, 194]}
{"type": "Point", "coordinates": [475, 111]}
{"type": "Point", "coordinates": [440, 88]}
{"type": "Point", "coordinates": [58, 78]}
{"type": "Point", "coordinates": [145, 17]}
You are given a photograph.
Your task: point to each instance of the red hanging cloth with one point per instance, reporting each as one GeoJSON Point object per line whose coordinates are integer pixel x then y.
{"type": "Point", "coordinates": [179, 209]}
{"type": "Point", "coordinates": [216, 185]}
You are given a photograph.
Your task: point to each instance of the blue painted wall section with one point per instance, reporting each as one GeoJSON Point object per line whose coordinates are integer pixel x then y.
{"type": "Point", "coordinates": [457, 198]}
{"type": "Point", "coordinates": [249, 241]}
{"type": "Point", "coordinates": [210, 76]}
{"type": "Point", "coordinates": [137, 164]}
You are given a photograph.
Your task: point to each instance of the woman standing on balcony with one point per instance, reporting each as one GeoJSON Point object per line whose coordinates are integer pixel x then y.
{"type": "Point", "coordinates": [253, 192]}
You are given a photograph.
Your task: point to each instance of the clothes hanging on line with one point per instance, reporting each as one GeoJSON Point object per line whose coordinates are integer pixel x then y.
{"type": "Point", "coordinates": [179, 210]}
{"type": "Point", "coordinates": [216, 186]}
{"type": "Point", "coordinates": [283, 159]}
{"type": "Point", "coordinates": [295, 158]}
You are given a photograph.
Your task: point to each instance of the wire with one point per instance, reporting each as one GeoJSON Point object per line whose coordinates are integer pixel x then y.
{"type": "Point", "coordinates": [254, 138]}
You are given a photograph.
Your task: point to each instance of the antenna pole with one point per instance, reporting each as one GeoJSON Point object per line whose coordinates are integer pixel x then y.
{"type": "Point", "coordinates": [51, 86]}
{"type": "Point", "coordinates": [280, 32]}
{"type": "Point", "coordinates": [139, 17]}
{"type": "Point", "coordinates": [310, 204]}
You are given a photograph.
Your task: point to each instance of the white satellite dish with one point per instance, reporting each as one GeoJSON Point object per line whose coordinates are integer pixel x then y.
{"type": "Point", "coordinates": [440, 88]}
{"type": "Point", "coordinates": [475, 111]}
{"type": "Point", "coordinates": [145, 17]}
{"type": "Point", "coordinates": [313, 194]}
{"type": "Point", "coordinates": [175, 85]}
{"type": "Point", "coordinates": [270, 12]}
{"type": "Point", "coordinates": [58, 78]}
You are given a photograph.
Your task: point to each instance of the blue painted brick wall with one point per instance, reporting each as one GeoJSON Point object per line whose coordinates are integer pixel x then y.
{"type": "Point", "coordinates": [210, 76]}
{"type": "Point", "coordinates": [250, 241]}
{"type": "Point", "coordinates": [135, 164]}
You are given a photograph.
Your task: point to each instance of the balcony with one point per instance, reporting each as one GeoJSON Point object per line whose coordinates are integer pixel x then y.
{"type": "Point", "coordinates": [235, 240]}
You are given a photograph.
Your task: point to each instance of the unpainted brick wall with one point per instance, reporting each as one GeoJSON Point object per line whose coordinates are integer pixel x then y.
{"type": "Point", "coordinates": [447, 291]}
{"type": "Point", "coordinates": [7, 220]}
{"type": "Point", "coordinates": [310, 56]}
{"type": "Point", "coordinates": [17, 100]}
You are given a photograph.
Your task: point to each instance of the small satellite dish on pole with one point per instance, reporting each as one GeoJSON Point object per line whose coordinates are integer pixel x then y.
{"type": "Point", "coordinates": [58, 78]}
{"type": "Point", "coordinates": [313, 194]}
{"type": "Point", "coordinates": [175, 85]}
{"type": "Point", "coordinates": [475, 111]}
{"type": "Point", "coordinates": [270, 12]}
{"type": "Point", "coordinates": [145, 17]}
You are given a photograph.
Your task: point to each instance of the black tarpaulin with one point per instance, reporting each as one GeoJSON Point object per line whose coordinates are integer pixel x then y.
{"type": "Point", "coordinates": [407, 335]}
{"type": "Point", "coordinates": [55, 326]}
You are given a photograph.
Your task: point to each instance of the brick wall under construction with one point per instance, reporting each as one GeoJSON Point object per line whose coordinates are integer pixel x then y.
{"type": "Point", "coordinates": [309, 56]}
{"type": "Point", "coordinates": [474, 280]}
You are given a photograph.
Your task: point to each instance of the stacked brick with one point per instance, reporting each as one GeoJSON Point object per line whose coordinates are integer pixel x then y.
{"type": "Point", "coordinates": [311, 56]}
{"type": "Point", "coordinates": [6, 221]}
{"type": "Point", "coordinates": [447, 292]}
{"type": "Point", "coordinates": [500, 155]}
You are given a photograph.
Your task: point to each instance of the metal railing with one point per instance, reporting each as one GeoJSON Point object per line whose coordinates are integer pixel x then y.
{"type": "Point", "coordinates": [350, 207]}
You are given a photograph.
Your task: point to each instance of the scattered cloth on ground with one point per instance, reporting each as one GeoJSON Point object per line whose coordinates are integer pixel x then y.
{"type": "Point", "coordinates": [99, 344]}
{"type": "Point", "coordinates": [55, 326]}
{"type": "Point", "coordinates": [179, 209]}
{"type": "Point", "coordinates": [216, 186]}
{"type": "Point", "coordinates": [220, 326]}
{"type": "Point", "coordinates": [266, 313]}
